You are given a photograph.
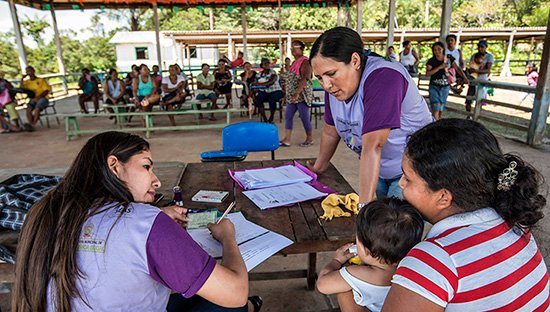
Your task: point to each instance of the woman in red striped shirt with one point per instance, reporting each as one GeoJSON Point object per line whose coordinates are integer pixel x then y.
{"type": "Point", "coordinates": [480, 254]}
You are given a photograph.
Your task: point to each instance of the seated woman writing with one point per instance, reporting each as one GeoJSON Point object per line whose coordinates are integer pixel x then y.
{"type": "Point", "coordinates": [94, 243]}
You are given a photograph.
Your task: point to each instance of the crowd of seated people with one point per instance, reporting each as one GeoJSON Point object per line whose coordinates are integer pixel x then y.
{"type": "Point", "coordinates": [145, 89]}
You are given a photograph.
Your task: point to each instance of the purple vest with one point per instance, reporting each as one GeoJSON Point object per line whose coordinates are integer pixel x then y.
{"type": "Point", "coordinates": [348, 118]}
{"type": "Point", "coordinates": [115, 274]}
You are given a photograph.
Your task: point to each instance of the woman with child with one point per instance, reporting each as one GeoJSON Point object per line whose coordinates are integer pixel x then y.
{"type": "Point", "coordinates": [437, 68]}
{"type": "Point", "coordinates": [480, 253]}
{"type": "Point", "coordinates": [95, 243]}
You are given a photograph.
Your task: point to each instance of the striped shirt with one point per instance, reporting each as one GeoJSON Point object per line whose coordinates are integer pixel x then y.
{"type": "Point", "coordinates": [474, 261]}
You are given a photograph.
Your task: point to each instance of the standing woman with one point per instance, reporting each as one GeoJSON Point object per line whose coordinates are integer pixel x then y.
{"type": "Point", "coordinates": [223, 82]}
{"type": "Point", "coordinates": [372, 104]}
{"type": "Point", "coordinates": [299, 93]}
{"type": "Point", "coordinates": [94, 243]}
{"type": "Point", "coordinates": [145, 90]}
{"type": "Point", "coordinates": [409, 58]}
{"type": "Point", "coordinates": [437, 68]}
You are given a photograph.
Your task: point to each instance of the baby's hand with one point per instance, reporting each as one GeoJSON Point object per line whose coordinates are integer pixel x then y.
{"type": "Point", "coordinates": [342, 254]}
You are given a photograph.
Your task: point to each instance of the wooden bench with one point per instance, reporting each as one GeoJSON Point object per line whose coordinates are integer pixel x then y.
{"type": "Point", "coordinates": [72, 128]}
{"type": "Point", "coordinates": [187, 105]}
{"type": "Point", "coordinates": [22, 100]}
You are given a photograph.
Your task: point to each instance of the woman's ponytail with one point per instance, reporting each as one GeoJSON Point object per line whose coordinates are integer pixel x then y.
{"type": "Point", "coordinates": [520, 202]}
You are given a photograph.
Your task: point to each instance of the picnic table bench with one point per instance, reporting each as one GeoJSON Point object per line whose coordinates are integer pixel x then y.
{"type": "Point", "coordinates": [72, 128]}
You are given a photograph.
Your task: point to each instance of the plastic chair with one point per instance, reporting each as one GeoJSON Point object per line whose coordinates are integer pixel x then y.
{"type": "Point", "coordinates": [240, 138]}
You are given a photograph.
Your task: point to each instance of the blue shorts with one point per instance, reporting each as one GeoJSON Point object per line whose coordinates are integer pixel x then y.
{"type": "Point", "coordinates": [42, 103]}
{"type": "Point", "coordinates": [389, 188]}
{"type": "Point", "coordinates": [212, 96]}
{"type": "Point", "coordinates": [438, 97]}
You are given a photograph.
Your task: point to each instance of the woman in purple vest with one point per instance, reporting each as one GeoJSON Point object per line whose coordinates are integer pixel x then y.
{"type": "Point", "coordinates": [371, 103]}
{"type": "Point", "coordinates": [94, 243]}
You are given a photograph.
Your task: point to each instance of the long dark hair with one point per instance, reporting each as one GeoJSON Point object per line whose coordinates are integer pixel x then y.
{"type": "Point", "coordinates": [49, 238]}
{"type": "Point", "coordinates": [463, 157]}
{"type": "Point", "coordinates": [339, 44]}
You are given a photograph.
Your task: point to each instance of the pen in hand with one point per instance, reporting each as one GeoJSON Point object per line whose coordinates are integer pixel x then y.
{"type": "Point", "coordinates": [226, 212]}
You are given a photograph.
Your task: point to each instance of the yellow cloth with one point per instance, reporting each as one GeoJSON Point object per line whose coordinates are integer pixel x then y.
{"type": "Point", "coordinates": [38, 85]}
{"type": "Point", "coordinates": [336, 206]}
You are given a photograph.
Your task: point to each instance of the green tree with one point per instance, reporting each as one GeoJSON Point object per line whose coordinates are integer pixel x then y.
{"type": "Point", "coordinates": [35, 29]}
{"type": "Point", "coordinates": [9, 64]}
{"type": "Point", "coordinates": [308, 18]}
{"type": "Point", "coordinates": [134, 18]}
{"type": "Point", "coordinates": [187, 19]}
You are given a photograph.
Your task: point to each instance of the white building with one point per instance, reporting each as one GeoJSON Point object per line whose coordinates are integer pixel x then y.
{"type": "Point", "coordinates": [137, 47]}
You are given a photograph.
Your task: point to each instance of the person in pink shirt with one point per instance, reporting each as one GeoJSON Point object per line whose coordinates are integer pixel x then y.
{"type": "Point", "coordinates": [532, 80]}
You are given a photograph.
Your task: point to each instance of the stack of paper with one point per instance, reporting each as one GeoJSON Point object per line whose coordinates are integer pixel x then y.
{"type": "Point", "coordinates": [256, 243]}
{"type": "Point", "coordinates": [283, 195]}
{"type": "Point", "coordinates": [268, 177]}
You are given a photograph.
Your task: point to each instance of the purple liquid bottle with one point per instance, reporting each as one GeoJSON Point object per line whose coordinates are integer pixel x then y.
{"type": "Point", "coordinates": [178, 197]}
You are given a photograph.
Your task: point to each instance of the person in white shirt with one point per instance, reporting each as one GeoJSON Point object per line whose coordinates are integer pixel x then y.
{"type": "Point", "coordinates": [409, 58]}
{"type": "Point", "coordinates": [387, 229]}
{"type": "Point", "coordinates": [173, 91]}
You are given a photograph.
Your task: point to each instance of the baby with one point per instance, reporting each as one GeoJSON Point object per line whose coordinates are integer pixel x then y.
{"type": "Point", "coordinates": [475, 64]}
{"type": "Point", "coordinates": [387, 229]}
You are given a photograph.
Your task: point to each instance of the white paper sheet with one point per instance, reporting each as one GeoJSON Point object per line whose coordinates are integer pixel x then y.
{"type": "Point", "coordinates": [282, 195]}
{"type": "Point", "coordinates": [268, 177]}
{"type": "Point", "coordinates": [256, 243]}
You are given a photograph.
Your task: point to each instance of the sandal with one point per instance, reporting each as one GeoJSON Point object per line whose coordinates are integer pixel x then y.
{"type": "Point", "coordinates": [256, 302]}
{"type": "Point", "coordinates": [306, 144]}
{"type": "Point", "coordinates": [281, 143]}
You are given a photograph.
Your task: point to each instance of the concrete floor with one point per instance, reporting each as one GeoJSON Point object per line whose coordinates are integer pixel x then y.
{"type": "Point", "coordinates": [46, 148]}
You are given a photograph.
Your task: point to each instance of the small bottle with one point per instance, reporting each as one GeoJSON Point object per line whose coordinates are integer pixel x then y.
{"type": "Point", "coordinates": [354, 260]}
{"type": "Point", "coordinates": [178, 197]}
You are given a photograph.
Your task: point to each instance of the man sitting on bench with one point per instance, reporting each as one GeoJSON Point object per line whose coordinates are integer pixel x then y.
{"type": "Point", "coordinates": [39, 101]}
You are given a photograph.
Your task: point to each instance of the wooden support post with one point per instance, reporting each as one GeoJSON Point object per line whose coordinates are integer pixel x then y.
{"type": "Point", "coordinates": [537, 125]}
{"type": "Point", "coordinates": [211, 18]}
{"type": "Point", "coordinates": [157, 36]}
{"type": "Point", "coordinates": [245, 26]}
{"type": "Point", "coordinates": [359, 17]}
{"type": "Point", "coordinates": [445, 26]}
{"type": "Point", "coordinates": [18, 37]}
{"type": "Point", "coordinates": [229, 46]}
{"type": "Point", "coordinates": [506, 67]}
{"type": "Point", "coordinates": [59, 51]}
{"type": "Point", "coordinates": [391, 24]}
{"type": "Point", "coordinates": [188, 52]}
{"type": "Point", "coordinates": [281, 57]}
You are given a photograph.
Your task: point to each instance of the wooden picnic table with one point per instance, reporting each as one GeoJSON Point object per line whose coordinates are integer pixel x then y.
{"type": "Point", "coordinates": [299, 222]}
